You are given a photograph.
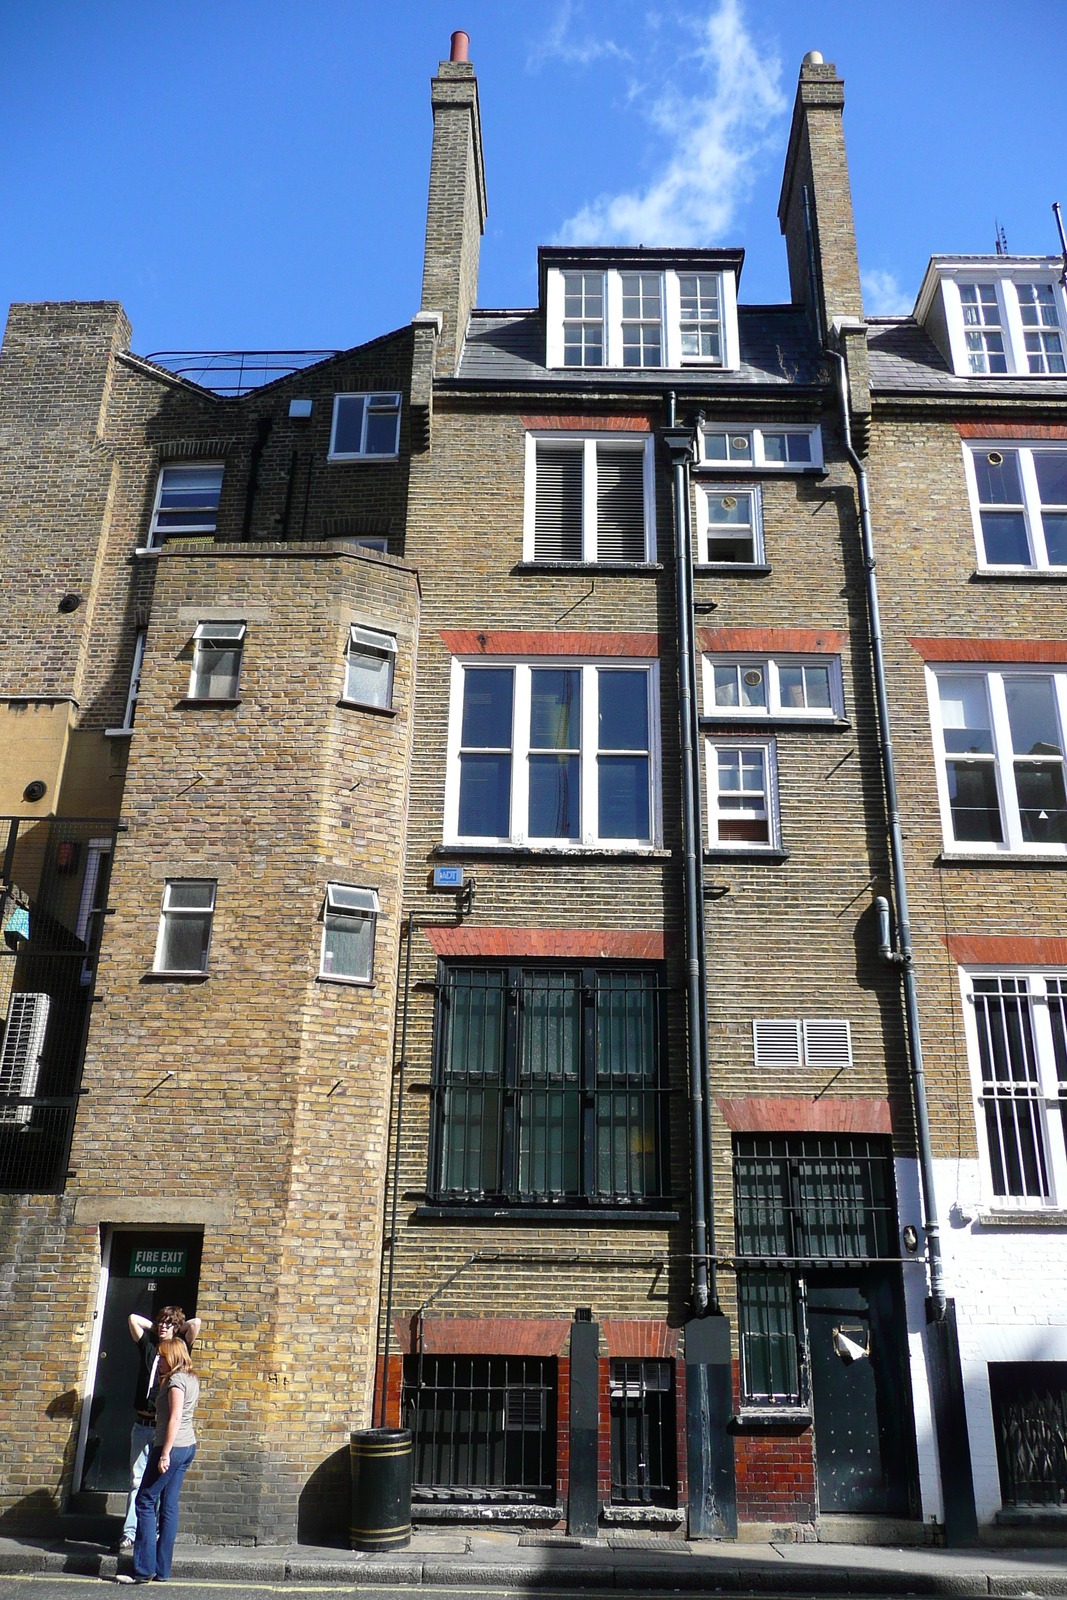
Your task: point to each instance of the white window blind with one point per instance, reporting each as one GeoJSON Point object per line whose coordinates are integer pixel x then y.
{"type": "Point", "coordinates": [620, 505]}
{"type": "Point", "coordinates": [558, 516]}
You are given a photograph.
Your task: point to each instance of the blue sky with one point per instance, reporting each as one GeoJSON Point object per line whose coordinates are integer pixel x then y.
{"type": "Point", "coordinates": [253, 175]}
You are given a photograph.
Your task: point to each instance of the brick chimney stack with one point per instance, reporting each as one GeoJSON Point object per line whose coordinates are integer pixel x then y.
{"type": "Point", "coordinates": [456, 211]}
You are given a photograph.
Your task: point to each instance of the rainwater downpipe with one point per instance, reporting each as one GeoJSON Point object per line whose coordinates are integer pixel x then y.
{"type": "Point", "coordinates": [905, 958]}
{"type": "Point", "coordinates": [704, 1291]}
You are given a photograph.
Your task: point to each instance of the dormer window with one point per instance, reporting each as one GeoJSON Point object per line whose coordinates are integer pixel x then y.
{"type": "Point", "coordinates": [981, 321]}
{"type": "Point", "coordinates": [701, 316]}
{"type": "Point", "coordinates": [583, 319]}
{"type": "Point", "coordinates": [642, 320]}
{"type": "Point", "coordinates": [1005, 317]}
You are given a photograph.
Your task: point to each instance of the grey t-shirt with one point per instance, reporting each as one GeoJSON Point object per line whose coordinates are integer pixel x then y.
{"type": "Point", "coordinates": [189, 1385]}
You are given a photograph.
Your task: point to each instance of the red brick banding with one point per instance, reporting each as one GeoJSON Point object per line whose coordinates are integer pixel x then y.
{"type": "Point", "coordinates": [1046, 651]}
{"type": "Point", "coordinates": [572, 944]}
{"type": "Point", "coordinates": [1011, 430]}
{"type": "Point", "coordinates": [496, 1336]}
{"type": "Point", "coordinates": [523, 642]}
{"type": "Point", "coordinates": [618, 424]}
{"type": "Point", "coordinates": [781, 1113]}
{"type": "Point", "coordinates": [639, 1339]}
{"type": "Point", "coordinates": [1006, 949]}
{"type": "Point", "coordinates": [775, 641]}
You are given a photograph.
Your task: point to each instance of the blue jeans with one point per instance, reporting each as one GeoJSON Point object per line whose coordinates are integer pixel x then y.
{"type": "Point", "coordinates": [140, 1444]}
{"type": "Point", "coordinates": [153, 1549]}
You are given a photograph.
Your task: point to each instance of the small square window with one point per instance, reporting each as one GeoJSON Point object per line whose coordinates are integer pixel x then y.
{"type": "Point", "coordinates": [217, 651]}
{"type": "Point", "coordinates": [729, 524]}
{"type": "Point", "coordinates": [365, 426]}
{"type": "Point", "coordinates": [742, 795]}
{"type": "Point", "coordinates": [185, 925]}
{"type": "Point", "coordinates": [369, 667]}
{"type": "Point", "coordinates": [349, 921]}
{"type": "Point", "coordinates": [187, 501]}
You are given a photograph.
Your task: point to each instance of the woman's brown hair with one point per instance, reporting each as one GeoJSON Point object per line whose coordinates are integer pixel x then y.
{"type": "Point", "coordinates": [174, 1354]}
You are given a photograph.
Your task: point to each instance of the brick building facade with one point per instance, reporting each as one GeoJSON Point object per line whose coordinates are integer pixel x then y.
{"type": "Point", "coordinates": [447, 798]}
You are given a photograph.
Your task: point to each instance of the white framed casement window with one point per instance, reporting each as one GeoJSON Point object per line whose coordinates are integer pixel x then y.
{"type": "Point", "coordinates": [1018, 496]}
{"type": "Point", "coordinates": [554, 754]}
{"type": "Point", "coordinates": [134, 689]}
{"type": "Point", "coordinates": [779, 449]}
{"type": "Point", "coordinates": [700, 320]}
{"type": "Point", "coordinates": [1015, 1025]}
{"type": "Point", "coordinates": [793, 1042]}
{"type": "Point", "coordinates": [349, 923]}
{"type": "Point", "coordinates": [999, 749]}
{"type": "Point", "coordinates": [742, 794]}
{"type": "Point", "coordinates": [583, 319]}
{"type": "Point", "coordinates": [729, 524]}
{"type": "Point", "coordinates": [185, 920]}
{"type": "Point", "coordinates": [983, 328]}
{"type": "Point", "coordinates": [217, 651]}
{"type": "Point", "coordinates": [187, 500]}
{"type": "Point", "coordinates": [746, 687]}
{"type": "Point", "coordinates": [589, 498]}
{"type": "Point", "coordinates": [369, 665]}
{"type": "Point", "coordinates": [1007, 323]}
{"type": "Point", "coordinates": [1042, 329]}
{"type": "Point", "coordinates": [365, 427]}
{"type": "Point", "coordinates": [642, 319]}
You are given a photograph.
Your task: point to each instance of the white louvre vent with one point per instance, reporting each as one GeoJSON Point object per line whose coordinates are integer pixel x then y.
{"type": "Point", "coordinates": [20, 1062]}
{"type": "Point", "coordinates": [558, 516]}
{"type": "Point", "coordinates": [827, 1042]}
{"type": "Point", "coordinates": [776, 1042]}
{"type": "Point", "coordinates": [620, 504]}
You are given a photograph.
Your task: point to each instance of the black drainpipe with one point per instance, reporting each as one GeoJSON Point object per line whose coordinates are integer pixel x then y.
{"type": "Point", "coordinates": [679, 442]}
{"type": "Point", "coordinates": [263, 427]}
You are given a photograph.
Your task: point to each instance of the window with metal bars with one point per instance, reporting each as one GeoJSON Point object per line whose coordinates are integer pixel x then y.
{"type": "Point", "coordinates": [589, 500]}
{"type": "Point", "coordinates": [644, 1469]}
{"type": "Point", "coordinates": [548, 1087]}
{"type": "Point", "coordinates": [483, 1427]}
{"type": "Point", "coordinates": [1017, 1033]}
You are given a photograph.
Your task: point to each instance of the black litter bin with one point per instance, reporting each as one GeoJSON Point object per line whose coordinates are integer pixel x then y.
{"type": "Point", "coordinates": [381, 1489]}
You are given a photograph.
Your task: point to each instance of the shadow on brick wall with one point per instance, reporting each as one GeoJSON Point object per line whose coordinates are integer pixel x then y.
{"type": "Point", "coordinates": [325, 1501]}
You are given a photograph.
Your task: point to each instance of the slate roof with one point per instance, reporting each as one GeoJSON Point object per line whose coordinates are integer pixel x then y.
{"type": "Point", "coordinates": [905, 360]}
{"type": "Point", "coordinates": [504, 348]}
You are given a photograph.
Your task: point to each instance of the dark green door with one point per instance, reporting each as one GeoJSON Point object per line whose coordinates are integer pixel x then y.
{"type": "Point", "coordinates": [861, 1398]}
{"type": "Point", "coordinates": [147, 1271]}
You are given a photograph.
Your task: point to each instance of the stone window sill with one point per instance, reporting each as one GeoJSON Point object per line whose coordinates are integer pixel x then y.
{"type": "Point", "coordinates": [734, 569]}
{"type": "Point", "coordinates": [118, 733]}
{"type": "Point", "coordinates": [625, 569]}
{"type": "Point", "coordinates": [175, 977]}
{"type": "Point", "coordinates": [795, 1418]}
{"type": "Point", "coordinates": [1019, 575]}
{"type": "Point", "coordinates": [198, 702]}
{"type": "Point", "coordinates": [752, 726]}
{"type": "Point", "coordinates": [1010, 1218]}
{"type": "Point", "coordinates": [607, 1216]}
{"type": "Point", "coordinates": [748, 856]}
{"type": "Point", "coordinates": [529, 852]}
{"type": "Point", "coordinates": [963, 858]}
{"type": "Point", "coordinates": [361, 705]}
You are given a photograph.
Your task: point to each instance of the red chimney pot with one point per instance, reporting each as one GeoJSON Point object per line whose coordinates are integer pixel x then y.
{"type": "Point", "coordinates": [461, 43]}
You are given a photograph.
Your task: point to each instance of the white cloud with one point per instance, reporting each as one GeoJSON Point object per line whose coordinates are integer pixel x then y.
{"type": "Point", "coordinates": [560, 43]}
{"type": "Point", "coordinates": [716, 141]}
{"type": "Point", "coordinates": [883, 296]}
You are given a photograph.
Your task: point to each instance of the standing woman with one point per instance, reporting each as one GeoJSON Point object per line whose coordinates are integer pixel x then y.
{"type": "Point", "coordinates": [168, 1462]}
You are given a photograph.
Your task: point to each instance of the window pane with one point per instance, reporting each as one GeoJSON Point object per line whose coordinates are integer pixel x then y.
{"type": "Point", "coordinates": [817, 688]}
{"type": "Point", "coordinates": [1055, 524]}
{"type": "Point", "coordinates": [768, 1337]}
{"type": "Point", "coordinates": [348, 424]}
{"type": "Point", "coordinates": [623, 709]}
{"type": "Point", "coordinates": [185, 940]}
{"type": "Point", "coordinates": [1042, 802]}
{"type": "Point", "coordinates": [997, 473]}
{"type": "Point", "coordinates": [471, 1106]}
{"type": "Point", "coordinates": [217, 672]}
{"type": "Point", "coordinates": [383, 432]}
{"type": "Point", "coordinates": [554, 797]}
{"type": "Point", "coordinates": [975, 806]}
{"type": "Point", "coordinates": [1004, 537]}
{"type": "Point", "coordinates": [715, 447]}
{"type": "Point", "coordinates": [369, 679]}
{"type": "Point", "coordinates": [740, 446]}
{"type": "Point", "coordinates": [555, 708]}
{"type": "Point", "coordinates": [791, 687]}
{"type": "Point", "coordinates": [774, 447]}
{"type": "Point", "coordinates": [550, 1100]}
{"type": "Point", "coordinates": [485, 796]}
{"type": "Point", "coordinates": [753, 686]}
{"type": "Point", "coordinates": [193, 893]}
{"type": "Point", "coordinates": [799, 446]}
{"type": "Point", "coordinates": [348, 948]}
{"type": "Point", "coordinates": [965, 715]}
{"type": "Point", "coordinates": [624, 799]}
{"type": "Point", "coordinates": [487, 693]}
{"type": "Point", "coordinates": [726, 686]}
{"type": "Point", "coordinates": [1051, 469]}
{"type": "Point", "coordinates": [730, 509]}
{"type": "Point", "coordinates": [1035, 728]}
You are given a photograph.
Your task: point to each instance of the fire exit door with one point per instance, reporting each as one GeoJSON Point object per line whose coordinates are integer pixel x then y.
{"type": "Point", "coordinates": [147, 1271]}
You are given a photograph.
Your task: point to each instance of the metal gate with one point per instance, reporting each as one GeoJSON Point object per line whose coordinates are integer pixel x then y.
{"type": "Point", "coordinates": [643, 1445]}
{"type": "Point", "coordinates": [1029, 1400]}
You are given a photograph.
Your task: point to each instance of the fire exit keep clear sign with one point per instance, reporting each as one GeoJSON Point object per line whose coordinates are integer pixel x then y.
{"type": "Point", "coordinates": [147, 1263]}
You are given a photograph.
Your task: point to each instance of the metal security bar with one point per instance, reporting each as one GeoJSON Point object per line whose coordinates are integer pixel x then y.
{"type": "Point", "coordinates": [644, 1468]}
{"type": "Point", "coordinates": [1011, 1086]}
{"type": "Point", "coordinates": [53, 894]}
{"type": "Point", "coordinates": [1030, 1421]}
{"type": "Point", "coordinates": [548, 1086]}
{"type": "Point", "coordinates": [824, 1199]}
{"type": "Point", "coordinates": [236, 372]}
{"type": "Point", "coordinates": [484, 1427]}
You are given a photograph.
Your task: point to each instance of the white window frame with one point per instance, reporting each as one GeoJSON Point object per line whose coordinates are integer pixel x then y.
{"type": "Point", "coordinates": [1031, 502]}
{"type": "Point", "coordinates": [1011, 320]}
{"type": "Point", "coordinates": [773, 708]}
{"type": "Point", "coordinates": [558, 319]}
{"type": "Point", "coordinates": [365, 906]}
{"type": "Point", "coordinates": [520, 751]}
{"type": "Point", "coordinates": [370, 641]}
{"type": "Point", "coordinates": [713, 744]}
{"type": "Point", "coordinates": [1003, 753]}
{"type": "Point", "coordinates": [1047, 1100]}
{"type": "Point", "coordinates": [587, 443]}
{"type": "Point", "coordinates": [167, 910]}
{"type": "Point", "coordinates": [759, 462]}
{"type": "Point", "coordinates": [369, 396]}
{"type": "Point", "coordinates": [670, 313]}
{"type": "Point", "coordinates": [705, 541]}
{"type": "Point", "coordinates": [158, 536]}
{"type": "Point", "coordinates": [203, 634]}
{"type": "Point", "coordinates": [642, 322]}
